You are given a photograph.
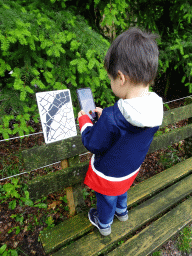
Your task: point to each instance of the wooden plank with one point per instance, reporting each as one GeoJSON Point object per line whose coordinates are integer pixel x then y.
{"type": "Point", "coordinates": [136, 194]}
{"type": "Point", "coordinates": [52, 182]}
{"type": "Point", "coordinates": [94, 244]}
{"type": "Point", "coordinates": [177, 114]}
{"type": "Point", "coordinates": [47, 154]}
{"type": "Point", "coordinates": [157, 233]}
{"type": "Point", "coordinates": [167, 139]}
{"type": "Point", "coordinates": [37, 157]}
{"type": "Point", "coordinates": [149, 187]}
{"type": "Point", "coordinates": [55, 237]}
{"type": "Point", "coordinates": [157, 143]}
{"type": "Point", "coordinates": [44, 185]}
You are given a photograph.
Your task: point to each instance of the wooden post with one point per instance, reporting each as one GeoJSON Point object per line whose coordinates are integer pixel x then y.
{"type": "Point", "coordinates": [69, 191]}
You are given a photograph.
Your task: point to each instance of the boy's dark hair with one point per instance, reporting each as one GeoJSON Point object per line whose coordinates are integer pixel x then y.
{"type": "Point", "coordinates": [135, 53]}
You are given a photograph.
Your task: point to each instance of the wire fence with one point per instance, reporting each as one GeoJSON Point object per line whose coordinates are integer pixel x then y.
{"type": "Point", "coordinates": [59, 161]}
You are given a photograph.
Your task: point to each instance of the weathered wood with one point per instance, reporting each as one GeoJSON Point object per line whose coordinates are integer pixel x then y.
{"type": "Point", "coordinates": [43, 185]}
{"type": "Point", "coordinates": [93, 243]}
{"type": "Point", "coordinates": [157, 143]}
{"type": "Point", "coordinates": [188, 141]}
{"type": "Point", "coordinates": [52, 182]}
{"type": "Point", "coordinates": [151, 186]}
{"type": "Point", "coordinates": [52, 239]}
{"type": "Point", "coordinates": [157, 233]}
{"type": "Point", "coordinates": [70, 200]}
{"type": "Point", "coordinates": [38, 157]}
{"type": "Point", "coordinates": [177, 114]}
{"type": "Point", "coordinates": [167, 139]}
{"type": "Point", "coordinates": [64, 164]}
{"type": "Point", "coordinates": [47, 154]}
{"type": "Point", "coordinates": [69, 191]}
{"type": "Point", "coordinates": [78, 198]}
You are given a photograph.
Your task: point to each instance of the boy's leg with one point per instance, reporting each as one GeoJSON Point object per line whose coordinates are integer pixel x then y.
{"type": "Point", "coordinates": [106, 206]}
{"type": "Point", "coordinates": [121, 211]}
{"type": "Point", "coordinates": [121, 203]}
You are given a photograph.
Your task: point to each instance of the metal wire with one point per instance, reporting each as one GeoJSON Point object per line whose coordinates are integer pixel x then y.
{"type": "Point", "coordinates": [21, 136]}
{"type": "Point", "coordinates": [28, 172]}
{"type": "Point", "coordinates": [59, 161]}
{"type": "Point", "coordinates": [77, 124]}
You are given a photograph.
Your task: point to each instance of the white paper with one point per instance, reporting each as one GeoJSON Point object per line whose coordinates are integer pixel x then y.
{"type": "Point", "coordinates": [56, 113]}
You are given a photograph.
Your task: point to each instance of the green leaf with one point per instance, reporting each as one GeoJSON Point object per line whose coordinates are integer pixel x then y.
{"type": "Point", "coordinates": [102, 74]}
{"type": "Point", "coordinates": [29, 202]}
{"type": "Point", "coordinates": [181, 50]}
{"type": "Point", "coordinates": [183, 79]}
{"type": "Point", "coordinates": [12, 204]}
{"type": "Point", "coordinates": [14, 253]}
{"type": "Point", "coordinates": [5, 6]}
{"type": "Point", "coordinates": [74, 45]}
{"type": "Point", "coordinates": [91, 63]}
{"type": "Point", "coordinates": [23, 95]}
{"type": "Point", "coordinates": [74, 62]}
{"type": "Point", "coordinates": [26, 194]}
{"type": "Point", "coordinates": [28, 89]}
{"type": "Point", "coordinates": [49, 64]}
{"type": "Point", "coordinates": [41, 205]}
{"type": "Point", "coordinates": [186, 56]}
{"type": "Point", "coordinates": [90, 53]}
{"type": "Point", "coordinates": [17, 230]}
{"type": "Point", "coordinates": [3, 248]}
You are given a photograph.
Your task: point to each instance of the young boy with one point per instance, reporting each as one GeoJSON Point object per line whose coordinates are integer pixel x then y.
{"type": "Point", "coordinates": [122, 136]}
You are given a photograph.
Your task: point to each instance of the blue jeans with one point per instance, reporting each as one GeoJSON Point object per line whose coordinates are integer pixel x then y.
{"type": "Point", "coordinates": [108, 205]}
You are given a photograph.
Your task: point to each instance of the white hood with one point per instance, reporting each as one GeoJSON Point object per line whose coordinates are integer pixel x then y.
{"type": "Point", "coordinates": [146, 111]}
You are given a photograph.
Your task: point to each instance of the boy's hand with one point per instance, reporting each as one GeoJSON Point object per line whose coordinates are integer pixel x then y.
{"type": "Point", "coordinates": [99, 111]}
{"type": "Point", "coordinates": [81, 113]}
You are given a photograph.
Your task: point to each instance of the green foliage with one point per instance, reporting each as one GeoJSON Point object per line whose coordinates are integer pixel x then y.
{"type": "Point", "coordinates": [54, 44]}
{"type": "Point", "coordinates": [157, 253]}
{"type": "Point", "coordinates": [167, 106]}
{"type": "Point", "coordinates": [15, 193]}
{"type": "Point", "coordinates": [47, 49]}
{"type": "Point", "coordinates": [85, 193]}
{"type": "Point", "coordinates": [171, 158]}
{"type": "Point", "coordinates": [5, 252]}
{"type": "Point", "coordinates": [185, 240]}
{"type": "Point", "coordinates": [50, 222]}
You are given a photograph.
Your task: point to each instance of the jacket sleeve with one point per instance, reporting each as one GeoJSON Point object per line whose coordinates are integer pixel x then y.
{"type": "Point", "coordinates": [99, 137]}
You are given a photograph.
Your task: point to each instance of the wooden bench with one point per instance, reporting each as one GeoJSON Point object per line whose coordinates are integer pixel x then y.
{"type": "Point", "coordinates": [160, 206]}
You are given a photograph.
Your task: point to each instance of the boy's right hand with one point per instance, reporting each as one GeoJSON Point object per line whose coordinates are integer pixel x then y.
{"type": "Point", "coordinates": [99, 111]}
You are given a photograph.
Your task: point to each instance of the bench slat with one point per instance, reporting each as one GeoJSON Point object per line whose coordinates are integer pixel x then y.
{"type": "Point", "coordinates": [38, 157]}
{"type": "Point", "coordinates": [177, 114]}
{"type": "Point", "coordinates": [157, 233]}
{"type": "Point", "coordinates": [44, 185]}
{"type": "Point", "coordinates": [52, 182]}
{"type": "Point", "coordinates": [167, 139]}
{"type": "Point", "coordinates": [159, 181]}
{"type": "Point", "coordinates": [56, 182]}
{"type": "Point", "coordinates": [64, 232]}
{"type": "Point", "coordinates": [94, 243]}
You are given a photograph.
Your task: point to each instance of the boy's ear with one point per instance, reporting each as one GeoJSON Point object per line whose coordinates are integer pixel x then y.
{"type": "Point", "coordinates": [122, 77]}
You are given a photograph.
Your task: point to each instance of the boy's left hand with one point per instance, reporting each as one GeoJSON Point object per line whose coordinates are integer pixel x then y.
{"type": "Point", "coordinates": [81, 113]}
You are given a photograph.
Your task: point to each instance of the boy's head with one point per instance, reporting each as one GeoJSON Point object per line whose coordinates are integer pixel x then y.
{"type": "Point", "coordinates": [135, 54]}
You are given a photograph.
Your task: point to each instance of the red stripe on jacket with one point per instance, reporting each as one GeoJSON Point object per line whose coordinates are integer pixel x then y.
{"type": "Point", "coordinates": [105, 187]}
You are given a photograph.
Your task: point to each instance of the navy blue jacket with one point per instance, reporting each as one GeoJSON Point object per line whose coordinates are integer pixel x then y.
{"type": "Point", "coordinates": [120, 141]}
